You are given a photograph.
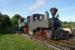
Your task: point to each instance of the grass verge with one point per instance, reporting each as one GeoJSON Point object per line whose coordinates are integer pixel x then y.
{"type": "Point", "coordinates": [18, 42]}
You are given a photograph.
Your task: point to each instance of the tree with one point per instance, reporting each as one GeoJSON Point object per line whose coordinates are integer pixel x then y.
{"type": "Point", "coordinates": [7, 20]}
{"type": "Point", "coordinates": [1, 19]}
{"type": "Point", "coordinates": [14, 19]}
{"type": "Point", "coordinates": [4, 20]}
{"type": "Point", "coordinates": [1, 15]}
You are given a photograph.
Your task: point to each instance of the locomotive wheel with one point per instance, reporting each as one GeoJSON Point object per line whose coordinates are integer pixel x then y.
{"type": "Point", "coordinates": [30, 33]}
{"type": "Point", "coordinates": [41, 34]}
{"type": "Point", "coordinates": [23, 30]}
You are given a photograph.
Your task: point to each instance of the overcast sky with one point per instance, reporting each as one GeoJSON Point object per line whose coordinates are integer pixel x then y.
{"type": "Point", "coordinates": [66, 8]}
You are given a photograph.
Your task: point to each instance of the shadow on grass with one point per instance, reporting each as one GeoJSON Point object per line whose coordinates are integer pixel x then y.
{"type": "Point", "coordinates": [7, 31]}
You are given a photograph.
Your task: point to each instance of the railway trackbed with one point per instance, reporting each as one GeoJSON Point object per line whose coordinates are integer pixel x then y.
{"type": "Point", "coordinates": [56, 45]}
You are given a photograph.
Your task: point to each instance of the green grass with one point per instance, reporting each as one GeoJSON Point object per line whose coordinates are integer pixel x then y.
{"type": "Point", "coordinates": [18, 42]}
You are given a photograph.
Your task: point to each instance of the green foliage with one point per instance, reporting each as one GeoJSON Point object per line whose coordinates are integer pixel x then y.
{"type": "Point", "coordinates": [14, 19]}
{"type": "Point", "coordinates": [4, 21]}
{"type": "Point", "coordinates": [1, 14]}
{"type": "Point", "coordinates": [1, 18]}
{"type": "Point", "coordinates": [18, 42]}
{"type": "Point", "coordinates": [7, 20]}
{"type": "Point", "coordinates": [68, 24]}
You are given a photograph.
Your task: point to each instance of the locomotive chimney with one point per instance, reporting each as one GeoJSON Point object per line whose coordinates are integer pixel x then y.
{"type": "Point", "coordinates": [53, 12]}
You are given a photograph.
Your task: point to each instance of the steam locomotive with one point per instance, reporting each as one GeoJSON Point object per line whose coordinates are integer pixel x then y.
{"type": "Point", "coordinates": [41, 25]}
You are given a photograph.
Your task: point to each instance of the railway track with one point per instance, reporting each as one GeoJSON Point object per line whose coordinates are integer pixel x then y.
{"type": "Point", "coordinates": [65, 45]}
{"type": "Point", "coordinates": [41, 42]}
{"type": "Point", "coordinates": [56, 45]}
